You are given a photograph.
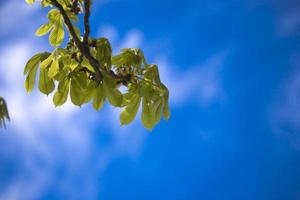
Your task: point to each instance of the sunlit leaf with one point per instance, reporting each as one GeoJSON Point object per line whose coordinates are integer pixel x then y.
{"type": "Point", "coordinates": [46, 85]}
{"type": "Point", "coordinates": [54, 68]}
{"type": "Point", "coordinates": [57, 34]}
{"type": "Point", "coordinates": [44, 29]}
{"type": "Point", "coordinates": [61, 95]}
{"type": "Point", "coordinates": [99, 97]}
{"type": "Point", "coordinates": [30, 80]}
{"type": "Point", "coordinates": [30, 1]}
{"type": "Point", "coordinates": [129, 113]}
{"type": "Point", "coordinates": [77, 91]}
{"type": "Point", "coordinates": [104, 52]}
{"type": "Point", "coordinates": [33, 61]}
{"type": "Point", "coordinates": [113, 95]}
{"type": "Point", "coordinates": [148, 114]}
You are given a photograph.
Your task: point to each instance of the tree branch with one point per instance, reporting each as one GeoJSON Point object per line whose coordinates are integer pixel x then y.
{"type": "Point", "coordinates": [87, 14]}
{"type": "Point", "coordinates": [84, 49]}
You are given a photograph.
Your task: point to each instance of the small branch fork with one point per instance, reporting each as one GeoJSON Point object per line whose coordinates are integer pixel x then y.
{"type": "Point", "coordinates": [82, 46]}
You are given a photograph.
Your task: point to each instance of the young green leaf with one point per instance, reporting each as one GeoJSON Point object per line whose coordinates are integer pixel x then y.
{"type": "Point", "coordinates": [3, 112]}
{"type": "Point", "coordinates": [113, 95]}
{"type": "Point", "coordinates": [129, 113]}
{"type": "Point", "coordinates": [46, 85]}
{"type": "Point", "coordinates": [30, 80]}
{"type": "Point", "coordinates": [57, 34]}
{"type": "Point", "coordinates": [33, 61]}
{"type": "Point", "coordinates": [30, 2]}
{"type": "Point", "coordinates": [54, 68]}
{"type": "Point", "coordinates": [99, 97]}
{"type": "Point", "coordinates": [46, 62]}
{"type": "Point", "coordinates": [61, 95]}
{"type": "Point", "coordinates": [166, 109]}
{"type": "Point", "coordinates": [77, 91]}
{"type": "Point", "coordinates": [104, 52]}
{"type": "Point", "coordinates": [148, 113]}
{"type": "Point", "coordinates": [44, 29]}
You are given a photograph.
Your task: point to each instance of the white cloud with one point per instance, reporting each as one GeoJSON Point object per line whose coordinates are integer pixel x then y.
{"type": "Point", "coordinates": [53, 138]}
{"type": "Point", "coordinates": [17, 17]}
{"type": "Point", "coordinates": [201, 83]}
{"type": "Point", "coordinates": [49, 137]}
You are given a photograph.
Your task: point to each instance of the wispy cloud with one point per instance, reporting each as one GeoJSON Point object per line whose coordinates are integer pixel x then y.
{"type": "Point", "coordinates": [201, 83]}
{"type": "Point", "coordinates": [288, 22]}
{"type": "Point", "coordinates": [51, 140]}
{"type": "Point", "coordinates": [285, 113]}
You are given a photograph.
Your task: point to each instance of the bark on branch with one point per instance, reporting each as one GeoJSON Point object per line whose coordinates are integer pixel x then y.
{"type": "Point", "coordinates": [82, 46]}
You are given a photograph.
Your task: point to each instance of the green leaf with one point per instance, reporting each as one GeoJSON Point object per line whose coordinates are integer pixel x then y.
{"type": "Point", "coordinates": [46, 3]}
{"type": "Point", "coordinates": [54, 68]}
{"type": "Point", "coordinates": [148, 113]}
{"type": "Point", "coordinates": [33, 61]}
{"type": "Point", "coordinates": [30, 80]}
{"type": "Point", "coordinates": [129, 57]}
{"type": "Point", "coordinates": [77, 91]}
{"type": "Point", "coordinates": [166, 109]}
{"type": "Point", "coordinates": [46, 63]}
{"type": "Point", "coordinates": [129, 113]}
{"type": "Point", "coordinates": [73, 64]}
{"type": "Point", "coordinates": [99, 97]}
{"type": "Point", "coordinates": [158, 107]}
{"type": "Point", "coordinates": [46, 85]}
{"type": "Point", "coordinates": [113, 95]}
{"type": "Point", "coordinates": [53, 15]}
{"type": "Point", "coordinates": [3, 112]}
{"type": "Point", "coordinates": [151, 73]}
{"type": "Point", "coordinates": [30, 2]}
{"type": "Point", "coordinates": [61, 95]}
{"type": "Point", "coordinates": [57, 34]}
{"type": "Point", "coordinates": [104, 52]}
{"type": "Point", "coordinates": [44, 29]}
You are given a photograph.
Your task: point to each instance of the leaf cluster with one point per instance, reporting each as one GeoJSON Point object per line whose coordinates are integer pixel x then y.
{"type": "Point", "coordinates": [86, 71]}
{"type": "Point", "coordinates": [3, 112]}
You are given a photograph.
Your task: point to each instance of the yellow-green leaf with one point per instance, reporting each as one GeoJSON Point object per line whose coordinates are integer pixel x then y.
{"type": "Point", "coordinates": [104, 52]}
{"type": "Point", "coordinates": [54, 68]}
{"type": "Point", "coordinates": [57, 34]}
{"type": "Point", "coordinates": [46, 85]}
{"type": "Point", "coordinates": [148, 114]}
{"type": "Point", "coordinates": [77, 93]}
{"type": "Point", "coordinates": [166, 109]}
{"type": "Point", "coordinates": [44, 29]}
{"type": "Point", "coordinates": [99, 97]}
{"type": "Point", "coordinates": [113, 95]}
{"type": "Point", "coordinates": [129, 113]}
{"type": "Point", "coordinates": [46, 63]}
{"type": "Point", "coordinates": [30, 80]}
{"type": "Point", "coordinates": [34, 61]}
{"type": "Point", "coordinates": [30, 2]}
{"type": "Point", "coordinates": [61, 95]}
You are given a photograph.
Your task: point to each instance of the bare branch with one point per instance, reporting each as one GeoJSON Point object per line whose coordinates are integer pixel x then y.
{"type": "Point", "coordinates": [87, 14]}
{"type": "Point", "coordinates": [84, 49]}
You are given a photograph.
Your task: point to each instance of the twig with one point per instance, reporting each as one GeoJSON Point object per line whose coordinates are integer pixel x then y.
{"type": "Point", "coordinates": [81, 46]}
{"type": "Point", "coordinates": [87, 14]}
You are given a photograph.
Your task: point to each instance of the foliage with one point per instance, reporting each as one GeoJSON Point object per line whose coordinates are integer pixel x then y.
{"type": "Point", "coordinates": [86, 70]}
{"type": "Point", "coordinates": [3, 112]}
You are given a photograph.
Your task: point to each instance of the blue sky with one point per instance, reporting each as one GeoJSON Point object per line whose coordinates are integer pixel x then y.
{"type": "Point", "coordinates": [233, 69]}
